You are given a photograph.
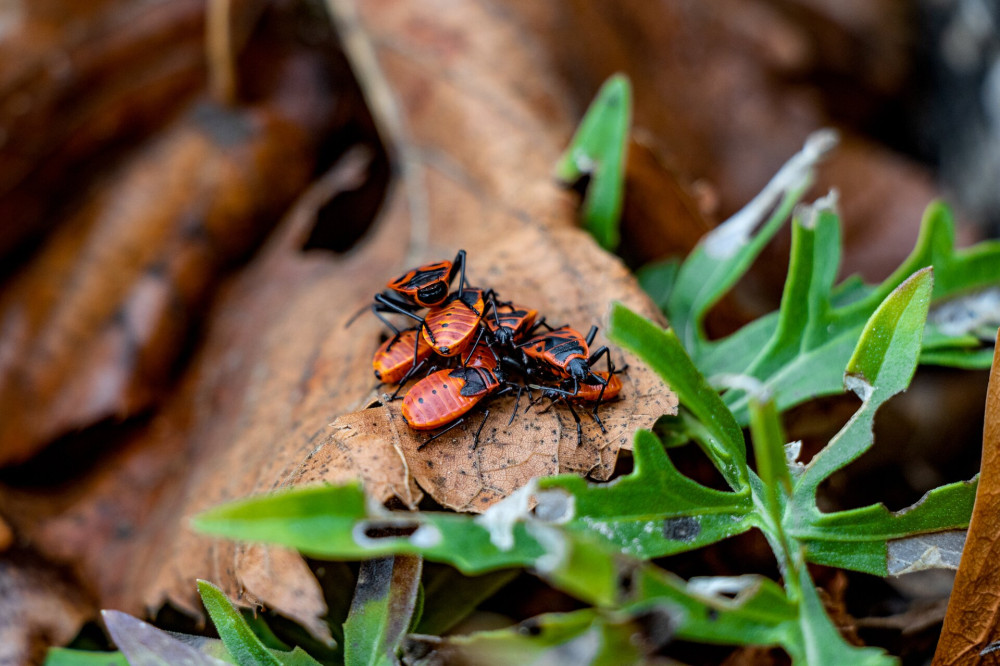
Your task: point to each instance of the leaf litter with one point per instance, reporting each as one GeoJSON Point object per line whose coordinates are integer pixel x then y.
{"type": "Point", "coordinates": [276, 367]}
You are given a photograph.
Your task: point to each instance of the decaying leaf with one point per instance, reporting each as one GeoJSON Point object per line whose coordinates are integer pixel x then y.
{"type": "Point", "coordinates": [569, 281]}
{"type": "Point", "coordinates": [80, 80]}
{"type": "Point", "coordinates": [970, 625]}
{"type": "Point", "coordinates": [93, 327]}
{"type": "Point", "coordinates": [277, 366]}
{"type": "Point", "coordinates": [38, 607]}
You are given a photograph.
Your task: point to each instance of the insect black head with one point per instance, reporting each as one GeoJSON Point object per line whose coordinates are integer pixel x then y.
{"type": "Point", "coordinates": [578, 368]}
{"type": "Point", "coordinates": [504, 335]}
{"type": "Point", "coordinates": [433, 293]}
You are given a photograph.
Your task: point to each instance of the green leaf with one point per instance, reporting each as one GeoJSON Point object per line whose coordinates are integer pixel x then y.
{"type": "Point", "coordinates": [955, 271]}
{"type": "Point", "coordinates": [234, 631]}
{"type": "Point", "coordinates": [810, 338]}
{"type": "Point", "coordinates": [333, 522]}
{"type": "Point", "coordinates": [573, 561]}
{"type": "Point", "coordinates": [819, 641]}
{"type": "Point", "coordinates": [729, 356]}
{"type": "Point", "coordinates": [261, 629]}
{"type": "Point", "coordinates": [815, 257]}
{"type": "Point", "coordinates": [726, 253]}
{"type": "Point", "coordinates": [810, 342]}
{"type": "Point", "coordinates": [598, 150]}
{"type": "Point", "coordinates": [769, 451]}
{"type": "Point", "coordinates": [239, 641]}
{"type": "Point", "coordinates": [66, 657]}
{"type": "Point", "coordinates": [882, 365]}
{"type": "Point", "coordinates": [962, 358]}
{"type": "Point", "coordinates": [555, 639]}
{"type": "Point", "coordinates": [383, 606]}
{"type": "Point", "coordinates": [663, 352]}
{"type": "Point", "coordinates": [859, 539]}
{"type": "Point", "coordinates": [655, 510]}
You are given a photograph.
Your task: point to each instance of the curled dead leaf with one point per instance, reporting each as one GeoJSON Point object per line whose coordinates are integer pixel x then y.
{"type": "Point", "coordinates": [39, 607]}
{"type": "Point", "coordinates": [970, 624]}
{"type": "Point", "coordinates": [92, 329]}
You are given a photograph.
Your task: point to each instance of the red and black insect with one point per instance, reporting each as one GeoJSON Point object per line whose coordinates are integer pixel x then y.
{"type": "Point", "coordinates": [598, 389]}
{"type": "Point", "coordinates": [450, 327]}
{"type": "Point", "coordinates": [426, 286]}
{"type": "Point", "coordinates": [509, 323]}
{"type": "Point", "coordinates": [565, 353]}
{"type": "Point", "coordinates": [444, 397]}
{"type": "Point", "coordinates": [482, 355]}
{"type": "Point", "coordinates": [396, 364]}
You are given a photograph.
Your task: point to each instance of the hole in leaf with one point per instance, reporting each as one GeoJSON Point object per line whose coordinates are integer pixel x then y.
{"type": "Point", "coordinates": [389, 530]}
{"type": "Point", "coordinates": [529, 628]}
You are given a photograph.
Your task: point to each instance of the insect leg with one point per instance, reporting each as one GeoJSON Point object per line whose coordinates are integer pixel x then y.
{"type": "Point", "coordinates": [475, 440]}
{"type": "Point", "coordinates": [517, 402]}
{"type": "Point", "coordinates": [579, 428]}
{"type": "Point", "coordinates": [459, 261]}
{"type": "Point", "coordinates": [472, 347]}
{"type": "Point", "coordinates": [409, 375]}
{"type": "Point", "coordinates": [541, 323]}
{"type": "Point", "coordinates": [355, 316]}
{"type": "Point", "coordinates": [590, 335]}
{"type": "Point", "coordinates": [390, 306]}
{"type": "Point", "coordinates": [433, 437]}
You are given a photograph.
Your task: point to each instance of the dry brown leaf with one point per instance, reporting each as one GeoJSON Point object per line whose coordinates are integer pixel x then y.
{"type": "Point", "coordinates": [92, 329]}
{"type": "Point", "coordinates": [479, 125]}
{"type": "Point", "coordinates": [79, 79]}
{"type": "Point", "coordinates": [971, 631]}
{"type": "Point", "coordinates": [661, 216]}
{"type": "Point", "coordinates": [38, 607]}
{"type": "Point", "coordinates": [362, 446]}
{"type": "Point", "coordinates": [566, 278]}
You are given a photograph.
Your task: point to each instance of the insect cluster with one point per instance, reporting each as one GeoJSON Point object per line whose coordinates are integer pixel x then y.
{"type": "Point", "coordinates": [470, 345]}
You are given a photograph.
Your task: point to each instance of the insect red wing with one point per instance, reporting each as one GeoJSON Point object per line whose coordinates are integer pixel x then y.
{"type": "Point", "coordinates": [482, 357]}
{"type": "Point", "coordinates": [452, 325]}
{"type": "Point", "coordinates": [557, 348]}
{"type": "Point", "coordinates": [436, 400]}
{"type": "Point", "coordinates": [429, 278]}
{"type": "Point", "coordinates": [588, 392]}
{"type": "Point", "coordinates": [391, 364]}
{"type": "Point", "coordinates": [516, 318]}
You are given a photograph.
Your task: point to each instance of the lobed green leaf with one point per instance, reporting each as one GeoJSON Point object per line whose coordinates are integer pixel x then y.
{"type": "Point", "coordinates": [655, 510]}
{"type": "Point", "coordinates": [859, 539]}
{"type": "Point", "coordinates": [727, 252]}
{"type": "Point", "coordinates": [334, 522]}
{"type": "Point", "coordinates": [663, 352]}
{"type": "Point", "coordinates": [881, 366]}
